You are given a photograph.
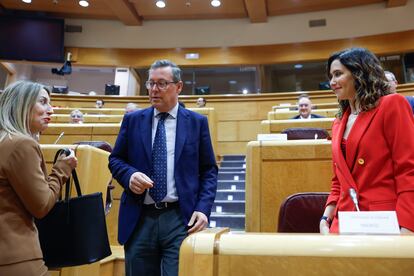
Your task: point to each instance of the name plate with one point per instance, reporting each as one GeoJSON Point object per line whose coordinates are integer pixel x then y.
{"type": "Point", "coordinates": [272, 137]}
{"type": "Point", "coordinates": [368, 222]}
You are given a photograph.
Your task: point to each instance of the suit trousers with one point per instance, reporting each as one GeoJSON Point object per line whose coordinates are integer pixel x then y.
{"type": "Point", "coordinates": [155, 243]}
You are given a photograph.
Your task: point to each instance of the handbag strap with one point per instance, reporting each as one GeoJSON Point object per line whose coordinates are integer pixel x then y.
{"type": "Point", "coordinates": [68, 187]}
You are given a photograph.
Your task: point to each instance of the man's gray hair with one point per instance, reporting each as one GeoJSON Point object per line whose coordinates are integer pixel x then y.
{"type": "Point", "coordinates": [176, 71]}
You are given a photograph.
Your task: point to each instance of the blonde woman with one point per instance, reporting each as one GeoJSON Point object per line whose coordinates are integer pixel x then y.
{"type": "Point", "coordinates": [26, 191]}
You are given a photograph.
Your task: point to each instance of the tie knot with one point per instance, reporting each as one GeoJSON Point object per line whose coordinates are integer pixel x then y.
{"type": "Point", "coordinates": [163, 116]}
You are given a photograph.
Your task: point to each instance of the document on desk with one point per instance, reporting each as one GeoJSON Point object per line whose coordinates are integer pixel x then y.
{"type": "Point", "coordinates": [368, 222]}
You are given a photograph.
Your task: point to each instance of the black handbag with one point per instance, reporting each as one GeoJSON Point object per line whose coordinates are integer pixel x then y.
{"type": "Point", "coordinates": [74, 231]}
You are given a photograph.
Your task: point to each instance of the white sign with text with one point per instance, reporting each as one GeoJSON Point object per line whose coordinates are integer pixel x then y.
{"type": "Point", "coordinates": [368, 222]}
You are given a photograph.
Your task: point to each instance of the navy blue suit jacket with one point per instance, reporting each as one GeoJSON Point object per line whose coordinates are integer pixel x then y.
{"type": "Point", "coordinates": [195, 169]}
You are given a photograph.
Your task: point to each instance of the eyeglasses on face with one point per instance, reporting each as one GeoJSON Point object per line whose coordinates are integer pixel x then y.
{"type": "Point", "coordinates": [161, 84]}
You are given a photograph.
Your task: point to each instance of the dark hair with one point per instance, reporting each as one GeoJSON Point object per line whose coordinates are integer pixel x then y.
{"type": "Point", "coordinates": [176, 71]}
{"type": "Point", "coordinates": [369, 77]}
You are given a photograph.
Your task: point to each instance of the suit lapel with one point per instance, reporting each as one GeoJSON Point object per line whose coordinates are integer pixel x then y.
{"type": "Point", "coordinates": [360, 126]}
{"type": "Point", "coordinates": [336, 147]}
{"type": "Point", "coordinates": [339, 160]}
{"type": "Point", "coordinates": [146, 131]}
{"type": "Point", "coordinates": [181, 133]}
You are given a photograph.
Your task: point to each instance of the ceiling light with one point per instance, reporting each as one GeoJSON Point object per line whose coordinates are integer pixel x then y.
{"type": "Point", "coordinates": [298, 66]}
{"type": "Point", "coordinates": [160, 4]}
{"type": "Point", "coordinates": [27, 1]}
{"type": "Point", "coordinates": [215, 3]}
{"type": "Point", "coordinates": [84, 3]}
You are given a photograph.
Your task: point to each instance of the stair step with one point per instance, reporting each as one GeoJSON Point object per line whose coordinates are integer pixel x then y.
{"type": "Point", "coordinates": [234, 221]}
{"type": "Point", "coordinates": [231, 185]}
{"type": "Point", "coordinates": [227, 164]}
{"type": "Point", "coordinates": [230, 195]}
{"type": "Point", "coordinates": [232, 169]}
{"type": "Point", "coordinates": [226, 206]}
{"type": "Point", "coordinates": [231, 176]}
{"type": "Point", "coordinates": [234, 157]}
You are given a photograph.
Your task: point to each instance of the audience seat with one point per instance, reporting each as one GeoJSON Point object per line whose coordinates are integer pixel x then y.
{"type": "Point", "coordinates": [106, 147]}
{"type": "Point", "coordinates": [299, 133]}
{"type": "Point", "coordinates": [301, 212]}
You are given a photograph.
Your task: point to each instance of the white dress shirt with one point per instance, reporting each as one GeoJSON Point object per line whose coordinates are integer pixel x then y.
{"type": "Point", "coordinates": [170, 131]}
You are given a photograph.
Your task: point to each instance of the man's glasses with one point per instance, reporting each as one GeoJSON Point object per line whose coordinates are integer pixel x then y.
{"type": "Point", "coordinates": [161, 84]}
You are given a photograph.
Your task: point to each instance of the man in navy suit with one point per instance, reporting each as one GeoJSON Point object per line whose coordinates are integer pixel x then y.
{"type": "Point", "coordinates": [305, 108]}
{"type": "Point", "coordinates": [163, 158]}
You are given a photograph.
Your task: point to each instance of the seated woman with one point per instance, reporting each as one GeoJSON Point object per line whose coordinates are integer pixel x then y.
{"type": "Point", "coordinates": [76, 117]}
{"type": "Point", "coordinates": [372, 142]}
{"type": "Point", "coordinates": [26, 191]}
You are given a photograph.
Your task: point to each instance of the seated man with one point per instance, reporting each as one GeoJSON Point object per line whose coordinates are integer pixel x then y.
{"type": "Point", "coordinates": [392, 81]}
{"type": "Point", "coordinates": [201, 102]}
{"type": "Point", "coordinates": [130, 107]}
{"type": "Point", "coordinates": [305, 108]}
{"type": "Point", "coordinates": [76, 117]}
{"type": "Point", "coordinates": [99, 103]}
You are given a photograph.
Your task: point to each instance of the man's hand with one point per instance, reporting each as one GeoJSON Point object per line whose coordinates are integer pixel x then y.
{"type": "Point", "coordinates": [139, 182]}
{"type": "Point", "coordinates": [197, 222]}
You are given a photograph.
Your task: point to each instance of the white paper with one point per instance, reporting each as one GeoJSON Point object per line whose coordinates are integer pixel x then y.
{"type": "Point", "coordinates": [219, 209]}
{"type": "Point", "coordinates": [212, 223]}
{"type": "Point", "coordinates": [233, 187]}
{"type": "Point", "coordinates": [236, 177]}
{"type": "Point", "coordinates": [272, 137]}
{"type": "Point", "coordinates": [229, 197]}
{"type": "Point", "coordinates": [368, 222]}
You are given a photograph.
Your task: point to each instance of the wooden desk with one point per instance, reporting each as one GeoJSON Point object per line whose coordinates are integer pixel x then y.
{"type": "Point", "coordinates": [285, 115]}
{"type": "Point", "coordinates": [275, 170]}
{"type": "Point", "coordinates": [80, 132]}
{"type": "Point", "coordinates": [277, 126]}
{"type": "Point", "coordinates": [248, 254]}
{"type": "Point", "coordinates": [91, 118]}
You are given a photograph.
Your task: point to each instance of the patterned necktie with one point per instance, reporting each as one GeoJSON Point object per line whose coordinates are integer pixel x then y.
{"type": "Point", "coordinates": [159, 161]}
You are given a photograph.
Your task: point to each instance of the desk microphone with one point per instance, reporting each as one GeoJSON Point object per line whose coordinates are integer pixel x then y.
{"type": "Point", "coordinates": [59, 137]}
{"type": "Point", "coordinates": [354, 198]}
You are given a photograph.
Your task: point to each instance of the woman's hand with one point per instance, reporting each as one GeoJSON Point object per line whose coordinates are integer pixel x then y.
{"type": "Point", "coordinates": [324, 227]}
{"type": "Point", "coordinates": [69, 161]}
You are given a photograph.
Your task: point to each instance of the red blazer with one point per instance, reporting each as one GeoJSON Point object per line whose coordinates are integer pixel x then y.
{"type": "Point", "coordinates": [379, 161]}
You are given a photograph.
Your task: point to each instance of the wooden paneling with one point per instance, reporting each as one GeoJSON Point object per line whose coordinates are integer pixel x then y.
{"type": "Point", "coordinates": [399, 42]}
{"type": "Point", "coordinates": [248, 254]}
{"type": "Point", "coordinates": [275, 170]}
{"type": "Point", "coordinates": [285, 115]}
{"type": "Point", "coordinates": [277, 126]}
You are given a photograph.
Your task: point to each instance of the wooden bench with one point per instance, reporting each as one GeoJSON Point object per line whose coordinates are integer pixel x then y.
{"type": "Point", "coordinates": [286, 115]}
{"type": "Point", "coordinates": [275, 170]}
{"type": "Point", "coordinates": [80, 132]}
{"type": "Point", "coordinates": [246, 254]}
{"type": "Point", "coordinates": [90, 118]}
{"type": "Point", "coordinates": [277, 126]}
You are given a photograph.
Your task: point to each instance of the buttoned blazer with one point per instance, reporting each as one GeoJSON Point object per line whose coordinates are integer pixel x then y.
{"type": "Point", "coordinates": [195, 169]}
{"type": "Point", "coordinates": [379, 161]}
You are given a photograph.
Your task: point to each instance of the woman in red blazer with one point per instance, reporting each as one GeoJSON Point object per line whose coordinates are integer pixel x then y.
{"type": "Point", "coordinates": [372, 142]}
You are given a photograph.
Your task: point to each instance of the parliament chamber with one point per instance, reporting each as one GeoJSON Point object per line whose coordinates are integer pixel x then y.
{"type": "Point", "coordinates": [260, 96]}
